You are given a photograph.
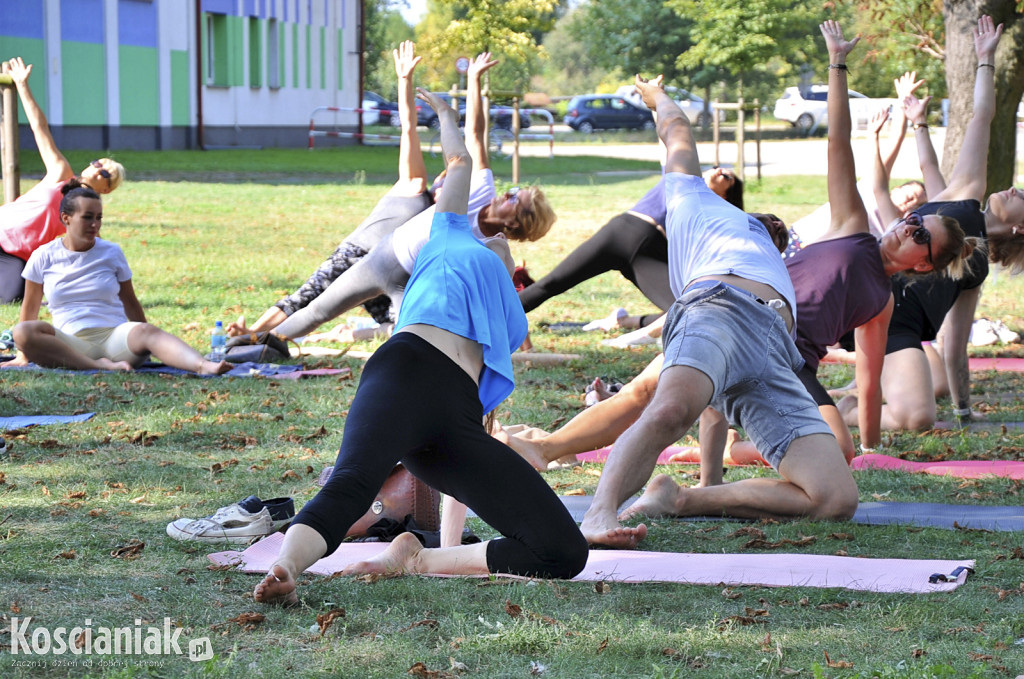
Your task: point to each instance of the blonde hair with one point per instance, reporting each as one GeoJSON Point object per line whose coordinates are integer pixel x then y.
{"type": "Point", "coordinates": [1008, 250]}
{"type": "Point", "coordinates": [115, 169]}
{"type": "Point", "coordinates": [536, 221]}
{"type": "Point", "coordinates": [953, 260]}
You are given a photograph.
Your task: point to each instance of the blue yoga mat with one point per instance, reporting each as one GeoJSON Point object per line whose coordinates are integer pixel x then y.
{"type": "Point", "coordinates": [240, 370]}
{"type": "Point", "coordinates": [20, 421]}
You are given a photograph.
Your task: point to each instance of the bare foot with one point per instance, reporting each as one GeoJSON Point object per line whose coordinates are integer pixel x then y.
{"type": "Point", "coordinates": [107, 364]}
{"type": "Point", "coordinates": [597, 391]}
{"type": "Point", "coordinates": [400, 558]}
{"type": "Point", "coordinates": [339, 333]}
{"type": "Point", "coordinates": [214, 368]}
{"type": "Point", "coordinates": [278, 588]}
{"type": "Point", "coordinates": [617, 537]}
{"type": "Point", "coordinates": [659, 499]}
{"type": "Point", "coordinates": [238, 328]}
{"type": "Point", "coordinates": [529, 450]}
{"type": "Point", "coordinates": [15, 362]}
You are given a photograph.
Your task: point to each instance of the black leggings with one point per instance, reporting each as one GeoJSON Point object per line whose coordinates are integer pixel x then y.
{"type": "Point", "coordinates": [627, 244]}
{"type": "Point", "coordinates": [397, 415]}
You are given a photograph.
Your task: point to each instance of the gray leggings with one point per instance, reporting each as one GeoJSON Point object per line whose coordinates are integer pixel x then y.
{"type": "Point", "coordinates": [378, 273]}
{"type": "Point", "coordinates": [12, 285]}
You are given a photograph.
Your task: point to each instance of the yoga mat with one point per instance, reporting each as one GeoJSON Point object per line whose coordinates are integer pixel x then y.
{"type": "Point", "coordinates": [980, 425]}
{"type": "Point", "coordinates": [20, 421]}
{"type": "Point", "coordinates": [540, 358]}
{"type": "Point", "coordinates": [965, 469]}
{"type": "Point", "coordinates": [1001, 364]}
{"type": "Point", "coordinates": [247, 369]}
{"type": "Point", "coordinates": [934, 515]}
{"type": "Point", "coordinates": [909, 576]}
{"type": "Point", "coordinates": [688, 455]}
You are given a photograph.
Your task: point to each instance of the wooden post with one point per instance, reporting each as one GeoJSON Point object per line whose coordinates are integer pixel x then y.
{"type": "Point", "coordinates": [740, 163]}
{"type": "Point", "coordinates": [757, 132]}
{"type": "Point", "coordinates": [9, 139]}
{"type": "Point", "coordinates": [715, 130]}
{"type": "Point", "coordinates": [515, 140]}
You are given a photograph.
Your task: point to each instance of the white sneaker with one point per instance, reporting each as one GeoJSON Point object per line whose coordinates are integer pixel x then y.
{"type": "Point", "coordinates": [608, 323]}
{"type": "Point", "coordinates": [239, 523]}
{"type": "Point", "coordinates": [1006, 336]}
{"type": "Point", "coordinates": [983, 333]}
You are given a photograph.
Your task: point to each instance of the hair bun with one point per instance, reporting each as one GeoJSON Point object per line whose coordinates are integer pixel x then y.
{"type": "Point", "coordinates": [71, 185]}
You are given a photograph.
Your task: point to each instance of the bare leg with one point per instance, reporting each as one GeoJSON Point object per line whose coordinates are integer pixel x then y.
{"type": "Point", "coordinates": [38, 342]}
{"type": "Point", "coordinates": [940, 380]}
{"type": "Point", "coordinates": [406, 556]}
{"type": "Point", "coordinates": [146, 338]}
{"type": "Point", "coordinates": [816, 482]}
{"type": "Point", "coordinates": [682, 394]}
{"type": "Point", "coordinates": [302, 548]}
{"type": "Point", "coordinates": [596, 426]}
{"type": "Point", "coordinates": [908, 392]}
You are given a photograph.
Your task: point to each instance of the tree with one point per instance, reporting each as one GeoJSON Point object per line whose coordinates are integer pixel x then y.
{"type": "Point", "coordinates": [385, 29]}
{"type": "Point", "coordinates": [570, 67]}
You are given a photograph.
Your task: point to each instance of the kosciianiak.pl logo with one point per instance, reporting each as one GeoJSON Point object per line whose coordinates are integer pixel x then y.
{"type": "Point", "coordinates": [86, 640]}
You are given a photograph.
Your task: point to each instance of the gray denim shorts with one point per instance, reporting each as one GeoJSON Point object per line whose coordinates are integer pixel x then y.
{"type": "Point", "coordinates": [743, 347]}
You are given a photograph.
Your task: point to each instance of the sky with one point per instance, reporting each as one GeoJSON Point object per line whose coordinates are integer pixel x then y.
{"type": "Point", "coordinates": [414, 12]}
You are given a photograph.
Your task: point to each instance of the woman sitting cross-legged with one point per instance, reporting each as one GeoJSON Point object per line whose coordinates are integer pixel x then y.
{"type": "Point", "coordinates": [98, 322]}
{"type": "Point", "coordinates": [458, 326]}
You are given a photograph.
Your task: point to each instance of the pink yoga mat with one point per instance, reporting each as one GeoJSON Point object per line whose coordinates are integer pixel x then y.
{"type": "Point", "coordinates": [773, 570]}
{"type": "Point", "coordinates": [691, 453]}
{"type": "Point", "coordinates": [1001, 364]}
{"type": "Point", "coordinates": [964, 469]}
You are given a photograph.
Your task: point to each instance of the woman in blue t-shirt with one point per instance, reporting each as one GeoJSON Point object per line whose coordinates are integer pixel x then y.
{"type": "Point", "coordinates": [459, 323]}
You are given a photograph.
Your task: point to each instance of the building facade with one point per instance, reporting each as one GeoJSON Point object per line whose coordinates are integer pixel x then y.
{"type": "Point", "coordinates": [177, 74]}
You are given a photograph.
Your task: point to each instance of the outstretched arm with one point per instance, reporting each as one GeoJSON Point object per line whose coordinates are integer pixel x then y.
{"type": "Point", "coordinates": [57, 167]}
{"type": "Point", "coordinates": [887, 212]}
{"type": "Point", "coordinates": [674, 129]}
{"type": "Point", "coordinates": [410, 156]}
{"type": "Point", "coordinates": [905, 85]}
{"type": "Point", "coordinates": [476, 139]}
{"type": "Point", "coordinates": [458, 161]}
{"type": "Point", "coordinates": [968, 178]}
{"type": "Point", "coordinates": [917, 111]}
{"type": "Point", "coordinates": [848, 213]}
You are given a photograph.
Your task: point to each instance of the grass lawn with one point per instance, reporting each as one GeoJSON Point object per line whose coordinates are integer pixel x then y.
{"type": "Point", "coordinates": [212, 235]}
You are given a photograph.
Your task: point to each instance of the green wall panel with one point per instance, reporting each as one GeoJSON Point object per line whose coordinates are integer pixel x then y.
{"type": "Point", "coordinates": [84, 83]}
{"type": "Point", "coordinates": [236, 45]}
{"type": "Point", "coordinates": [295, 56]}
{"type": "Point", "coordinates": [323, 57]}
{"type": "Point", "coordinates": [181, 88]}
{"type": "Point", "coordinates": [32, 52]}
{"type": "Point", "coordinates": [255, 52]}
{"type": "Point", "coordinates": [309, 57]}
{"type": "Point", "coordinates": [139, 74]}
{"type": "Point", "coordinates": [341, 60]}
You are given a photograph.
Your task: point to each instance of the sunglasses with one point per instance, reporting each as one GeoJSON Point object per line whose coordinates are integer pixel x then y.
{"type": "Point", "coordinates": [920, 235]}
{"type": "Point", "coordinates": [105, 173]}
{"type": "Point", "coordinates": [512, 195]}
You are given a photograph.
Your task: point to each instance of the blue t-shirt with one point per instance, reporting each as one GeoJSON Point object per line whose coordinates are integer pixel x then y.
{"type": "Point", "coordinates": [460, 286]}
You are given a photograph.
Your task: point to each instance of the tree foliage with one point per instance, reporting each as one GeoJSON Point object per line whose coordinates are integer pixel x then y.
{"type": "Point", "coordinates": [385, 28]}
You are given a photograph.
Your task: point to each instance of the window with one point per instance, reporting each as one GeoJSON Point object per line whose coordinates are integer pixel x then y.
{"type": "Point", "coordinates": [255, 53]}
{"type": "Point", "coordinates": [273, 54]}
{"type": "Point", "coordinates": [217, 52]}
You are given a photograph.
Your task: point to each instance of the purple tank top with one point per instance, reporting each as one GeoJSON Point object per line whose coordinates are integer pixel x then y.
{"type": "Point", "coordinates": [840, 284]}
{"type": "Point", "coordinates": [653, 203]}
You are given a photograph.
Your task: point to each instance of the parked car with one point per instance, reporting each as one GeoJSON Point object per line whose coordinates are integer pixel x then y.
{"type": "Point", "coordinates": [807, 108]}
{"type": "Point", "coordinates": [388, 110]}
{"type": "Point", "coordinates": [691, 104]}
{"type": "Point", "coordinates": [588, 112]}
{"type": "Point", "coordinates": [501, 116]}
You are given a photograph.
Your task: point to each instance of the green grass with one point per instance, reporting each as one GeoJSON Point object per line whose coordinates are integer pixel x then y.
{"type": "Point", "coordinates": [212, 235]}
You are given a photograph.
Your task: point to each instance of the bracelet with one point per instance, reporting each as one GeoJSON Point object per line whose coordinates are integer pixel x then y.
{"type": "Point", "coordinates": [992, 66]}
{"type": "Point", "coordinates": [961, 412]}
{"type": "Point", "coordinates": [838, 67]}
{"type": "Point", "coordinates": [920, 126]}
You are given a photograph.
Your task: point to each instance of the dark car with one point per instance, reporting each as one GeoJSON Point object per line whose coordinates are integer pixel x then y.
{"type": "Point", "coordinates": [501, 116]}
{"type": "Point", "coordinates": [589, 112]}
{"type": "Point", "coordinates": [388, 110]}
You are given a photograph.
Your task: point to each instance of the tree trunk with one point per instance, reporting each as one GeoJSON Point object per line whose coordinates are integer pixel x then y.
{"type": "Point", "coordinates": [961, 18]}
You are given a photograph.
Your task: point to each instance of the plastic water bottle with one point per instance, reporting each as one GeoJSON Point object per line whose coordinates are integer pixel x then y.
{"type": "Point", "coordinates": [4, 453]}
{"type": "Point", "coordinates": [218, 338]}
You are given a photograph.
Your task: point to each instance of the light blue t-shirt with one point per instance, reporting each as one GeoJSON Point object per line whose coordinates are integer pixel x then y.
{"type": "Point", "coordinates": [460, 286]}
{"type": "Point", "coordinates": [708, 236]}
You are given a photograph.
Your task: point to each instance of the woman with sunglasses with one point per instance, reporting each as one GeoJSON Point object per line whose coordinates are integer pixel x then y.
{"type": "Point", "coordinates": [632, 243]}
{"type": "Point", "coordinates": [34, 218]}
{"type": "Point", "coordinates": [98, 322]}
{"type": "Point", "coordinates": [518, 214]}
{"type": "Point", "coordinates": [458, 327]}
{"type": "Point", "coordinates": [944, 306]}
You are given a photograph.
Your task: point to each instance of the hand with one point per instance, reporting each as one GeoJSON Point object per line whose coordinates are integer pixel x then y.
{"type": "Point", "coordinates": [406, 59]}
{"type": "Point", "coordinates": [435, 102]}
{"type": "Point", "coordinates": [878, 120]}
{"type": "Point", "coordinates": [19, 71]}
{"type": "Point", "coordinates": [916, 109]}
{"type": "Point", "coordinates": [906, 84]}
{"type": "Point", "coordinates": [837, 46]}
{"type": "Point", "coordinates": [649, 89]}
{"type": "Point", "coordinates": [481, 63]}
{"type": "Point", "coordinates": [986, 39]}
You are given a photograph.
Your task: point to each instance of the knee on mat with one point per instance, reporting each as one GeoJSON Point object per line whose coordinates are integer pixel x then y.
{"type": "Point", "coordinates": [839, 505]}
{"type": "Point", "coordinates": [566, 558]}
{"type": "Point", "coordinates": [918, 419]}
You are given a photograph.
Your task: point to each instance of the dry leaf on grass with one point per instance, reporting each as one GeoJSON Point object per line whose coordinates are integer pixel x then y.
{"type": "Point", "coordinates": [15, 608]}
{"type": "Point", "coordinates": [138, 597]}
{"type": "Point", "coordinates": [729, 593]}
{"type": "Point", "coordinates": [420, 670]}
{"type": "Point", "coordinates": [602, 587]}
{"type": "Point", "coordinates": [69, 554]}
{"type": "Point", "coordinates": [290, 474]}
{"type": "Point", "coordinates": [838, 664]}
{"type": "Point", "coordinates": [77, 495]}
{"type": "Point", "coordinates": [325, 620]}
{"type": "Point", "coordinates": [603, 645]}
{"type": "Point", "coordinates": [246, 621]}
{"type": "Point", "coordinates": [758, 543]}
{"type": "Point", "coordinates": [130, 551]}
{"type": "Point", "coordinates": [744, 620]}
{"type": "Point", "coordinates": [513, 610]}
{"type": "Point", "coordinates": [575, 491]}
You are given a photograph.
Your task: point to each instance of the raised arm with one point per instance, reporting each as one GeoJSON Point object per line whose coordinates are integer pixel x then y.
{"type": "Point", "coordinates": [905, 85]}
{"type": "Point", "coordinates": [58, 168]}
{"type": "Point", "coordinates": [476, 139]}
{"type": "Point", "coordinates": [674, 129]}
{"type": "Point", "coordinates": [887, 211]}
{"type": "Point", "coordinates": [458, 161]}
{"type": "Point", "coordinates": [968, 177]}
{"type": "Point", "coordinates": [917, 111]}
{"type": "Point", "coordinates": [410, 156]}
{"type": "Point", "coordinates": [848, 213]}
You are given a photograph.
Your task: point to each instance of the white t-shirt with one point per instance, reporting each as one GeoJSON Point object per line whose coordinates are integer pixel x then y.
{"type": "Point", "coordinates": [410, 237]}
{"type": "Point", "coordinates": [81, 287]}
{"type": "Point", "coordinates": [709, 237]}
{"type": "Point", "coordinates": [813, 227]}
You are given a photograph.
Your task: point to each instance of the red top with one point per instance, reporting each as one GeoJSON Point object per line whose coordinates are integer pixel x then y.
{"type": "Point", "coordinates": [32, 220]}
